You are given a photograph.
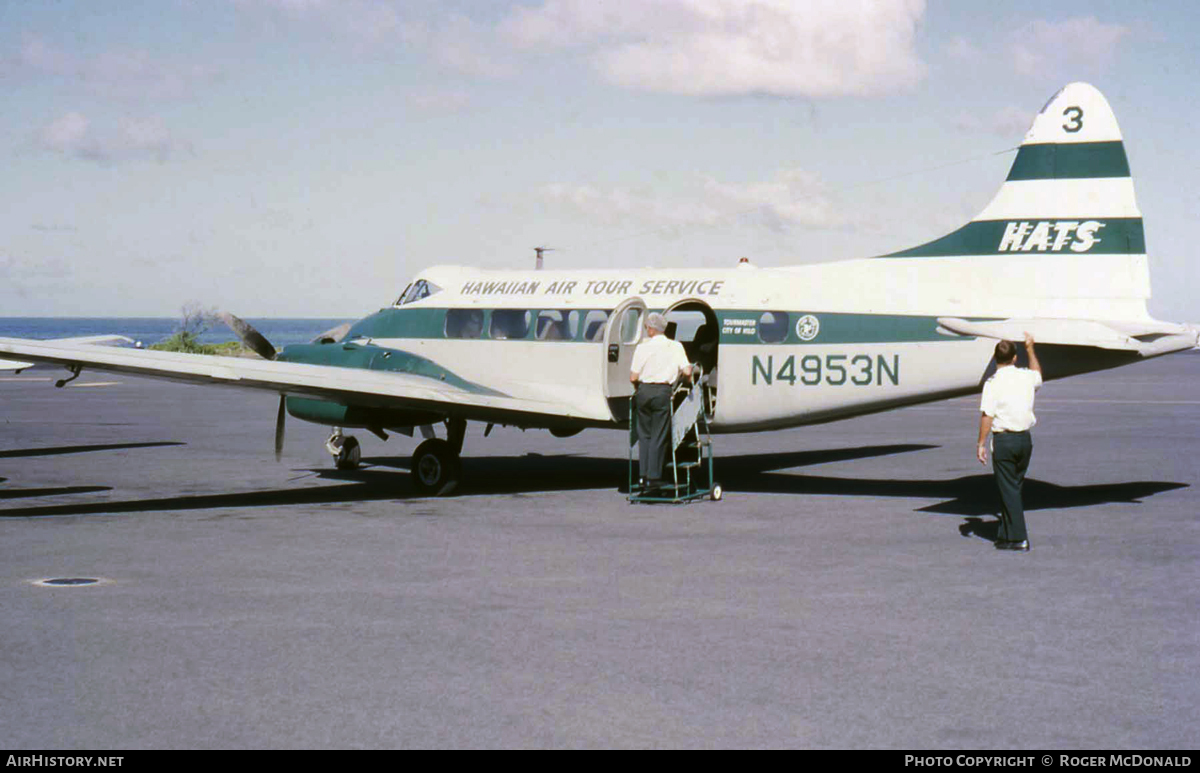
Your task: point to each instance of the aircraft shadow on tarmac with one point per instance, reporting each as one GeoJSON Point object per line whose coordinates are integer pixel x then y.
{"type": "Point", "coordinates": [972, 496]}
{"type": "Point", "coordinates": [57, 450]}
{"type": "Point", "coordinates": [21, 493]}
{"type": "Point", "coordinates": [25, 493]}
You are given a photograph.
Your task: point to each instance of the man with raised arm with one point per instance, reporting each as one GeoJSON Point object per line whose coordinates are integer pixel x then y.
{"type": "Point", "coordinates": [658, 362]}
{"type": "Point", "coordinates": [1007, 413]}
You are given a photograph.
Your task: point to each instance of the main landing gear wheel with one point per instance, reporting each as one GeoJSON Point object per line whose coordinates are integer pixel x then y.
{"type": "Point", "coordinates": [436, 468]}
{"type": "Point", "coordinates": [348, 454]}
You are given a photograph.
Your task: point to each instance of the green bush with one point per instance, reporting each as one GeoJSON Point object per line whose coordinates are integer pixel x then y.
{"type": "Point", "coordinates": [188, 343]}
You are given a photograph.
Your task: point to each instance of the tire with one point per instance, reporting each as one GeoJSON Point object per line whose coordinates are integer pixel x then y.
{"type": "Point", "coordinates": [717, 492]}
{"type": "Point", "coordinates": [436, 469]}
{"type": "Point", "coordinates": [349, 454]}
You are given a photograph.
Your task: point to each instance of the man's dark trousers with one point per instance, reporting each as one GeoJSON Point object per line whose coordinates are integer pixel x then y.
{"type": "Point", "coordinates": [1010, 459]}
{"type": "Point", "coordinates": [653, 403]}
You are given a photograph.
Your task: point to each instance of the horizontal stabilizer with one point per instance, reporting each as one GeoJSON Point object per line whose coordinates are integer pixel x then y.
{"type": "Point", "coordinates": [100, 340]}
{"type": "Point", "coordinates": [1149, 339]}
{"type": "Point", "coordinates": [14, 365]}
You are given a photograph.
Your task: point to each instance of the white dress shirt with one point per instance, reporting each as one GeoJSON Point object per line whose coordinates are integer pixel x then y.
{"type": "Point", "coordinates": [1008, 398]}
{"type": "Point", "coordinates": [659, 360]}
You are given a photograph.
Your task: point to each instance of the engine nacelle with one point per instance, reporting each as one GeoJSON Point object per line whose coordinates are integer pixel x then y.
{"type": "Point", "coordinates": [356, 416]}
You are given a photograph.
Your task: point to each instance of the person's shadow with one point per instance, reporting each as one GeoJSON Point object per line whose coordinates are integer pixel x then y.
{"type": "Point", "coordinates": [977, 527]}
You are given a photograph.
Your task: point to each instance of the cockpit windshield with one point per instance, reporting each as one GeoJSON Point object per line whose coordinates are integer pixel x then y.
{"type": "Point", "coordinates": [417, 291]}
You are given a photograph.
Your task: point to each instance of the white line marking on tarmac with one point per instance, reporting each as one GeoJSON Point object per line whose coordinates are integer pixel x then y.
{"type": "Point", "coordinates": [1122, 402]}
{"type": "Point", "coordinates": [1059, 401]}
{"type": "Point", "coordinates": [95, 384]}
{"type": "Point", "coordinates": [23, 378]}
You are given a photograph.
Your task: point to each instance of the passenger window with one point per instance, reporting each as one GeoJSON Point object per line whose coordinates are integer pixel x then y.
{"type": "Point", "coordinates": [464, 323]}
{"type": "Point", "coordinates": [773, 327]}
{"type": "Point", "coordinates": [685, 323]}
{"type": "Point", "coordinates": [593, 325]}
{"type": "Point", "coordinates": [555, 325]}
{"type": "Point", "coordinates": [510, 323]}
{"type": "Point", "coordinates": [631, 326]}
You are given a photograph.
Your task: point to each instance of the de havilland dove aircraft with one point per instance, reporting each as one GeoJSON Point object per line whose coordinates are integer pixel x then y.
{"type": "Point", "coordinates": [1059, 253]}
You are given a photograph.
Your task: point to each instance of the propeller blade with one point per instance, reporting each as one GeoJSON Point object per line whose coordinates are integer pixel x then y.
{"type": "Point", "coordinates": [280, 420]}
{"type": "Point", "coordinates": [253, 339]}
{"type": "Point", "coordinates": [333, 335]}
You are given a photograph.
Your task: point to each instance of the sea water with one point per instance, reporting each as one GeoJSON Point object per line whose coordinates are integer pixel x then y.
{"type": "Point", "coordinates": [150, 330]}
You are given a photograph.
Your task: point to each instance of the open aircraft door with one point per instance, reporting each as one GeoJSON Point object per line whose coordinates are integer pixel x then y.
{"type": "Point", "coordinates": [621, 337]}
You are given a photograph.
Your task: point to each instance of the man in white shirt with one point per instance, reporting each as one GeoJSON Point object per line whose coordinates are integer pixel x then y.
{"type": "Point", "coordinates": [1007, 413]}
{"type": "Point", "coordinates": [658, 363]}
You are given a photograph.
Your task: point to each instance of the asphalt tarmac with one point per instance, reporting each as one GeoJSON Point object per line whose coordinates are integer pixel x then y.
{"type": "Point", "coordinates": [844, 594]}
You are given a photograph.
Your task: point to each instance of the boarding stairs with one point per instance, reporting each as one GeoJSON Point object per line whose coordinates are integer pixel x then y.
{"type": "Point", "coordinates": [688, 471]}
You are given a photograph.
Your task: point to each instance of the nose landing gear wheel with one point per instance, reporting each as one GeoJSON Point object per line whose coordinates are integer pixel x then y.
{"type": "Point", "coordinates": [436, 468]}
{"type": "Point", "coordinates": [348, 454]}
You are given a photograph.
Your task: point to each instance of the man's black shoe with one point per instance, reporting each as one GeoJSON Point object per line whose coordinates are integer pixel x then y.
{"type": "Point", "coordinates": [1022, 545]}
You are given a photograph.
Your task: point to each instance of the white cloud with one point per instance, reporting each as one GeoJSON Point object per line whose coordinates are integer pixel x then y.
{"type": "Point", "coordinates": [963, 50]}
{"type": "Point", "coordinates": [289, 5]}
{"type": "Point", "coordinates": [13, 267]}
{"type": "Point", "coordinates": [452, 39]}
{"type": "Point", "coordinates": [117, 74]}
{"type": "Point", "coordinates": [819, 48]}
{"type": "Point", "coordinates": [1009, 121]}
{"type": "Point", "coordinates": [38, 56]}
{"type": "Point", "coordinates": [24, 277]}
{"type": "Point", "coordinates": [1077, 44]}
{"type": "Point", "coordinates": [792, 197]}
{"type": "Point", "coordinates": [822, 48]}
{"type": "Point", "coordinates": [460, 44]}
{"type": "Point", "coordinates": [72, 135]}
{"type": "Point", "coordinates": [438, 101]}
{"type": "Point", "coordinates": [65, 134]}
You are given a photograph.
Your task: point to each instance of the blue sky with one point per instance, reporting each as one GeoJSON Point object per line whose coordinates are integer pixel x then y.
{"type": "Point", "coordinates": [306, 157]}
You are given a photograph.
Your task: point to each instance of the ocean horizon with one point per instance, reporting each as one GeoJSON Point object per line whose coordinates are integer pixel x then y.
{"type": "Point", "coordinates": [280, 331]}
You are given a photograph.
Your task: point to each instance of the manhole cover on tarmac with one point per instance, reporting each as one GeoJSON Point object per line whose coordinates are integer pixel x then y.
{"type": "Point", "coordinates": [68, 581]}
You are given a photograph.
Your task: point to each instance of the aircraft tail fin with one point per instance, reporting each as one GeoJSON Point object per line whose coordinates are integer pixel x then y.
{"type": "Point", "coordinates": [1064, 232]}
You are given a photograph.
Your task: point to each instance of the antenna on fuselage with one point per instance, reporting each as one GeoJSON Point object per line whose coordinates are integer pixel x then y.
{"type": "Point", "coordinates": [539, 251]}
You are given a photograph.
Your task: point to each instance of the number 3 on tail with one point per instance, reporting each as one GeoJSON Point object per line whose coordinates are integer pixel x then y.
{"type": "Point", "coordinates": [1074, 116]}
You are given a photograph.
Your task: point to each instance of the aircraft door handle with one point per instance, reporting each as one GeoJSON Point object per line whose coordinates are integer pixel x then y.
{"type": "Point", "coordinates": [614, 352]}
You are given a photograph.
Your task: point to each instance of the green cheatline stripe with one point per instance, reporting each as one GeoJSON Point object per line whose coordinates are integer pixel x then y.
{"type": "Point", "coordinates": [830, 327]}
{"type": "Point", "coordinates": [1115, 236]}
{"type": "Point", "coordinates": [1070, 161]}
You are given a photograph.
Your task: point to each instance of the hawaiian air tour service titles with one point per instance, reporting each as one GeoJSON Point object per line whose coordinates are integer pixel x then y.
{"type": "Point", "coordinates": [596, 287]}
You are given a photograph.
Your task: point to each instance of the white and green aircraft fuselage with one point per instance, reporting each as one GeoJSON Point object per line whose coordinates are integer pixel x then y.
{"type": "Point", "coordinates": [1059, 253]}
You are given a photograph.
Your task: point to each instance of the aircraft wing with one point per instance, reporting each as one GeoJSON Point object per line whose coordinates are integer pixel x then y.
{"type": "Point", "coordinates": [100, 339]}
{"type": "Point", "coordinates": [349, 386]}
{"type": "Point", "coordinates": [1149, 338]}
